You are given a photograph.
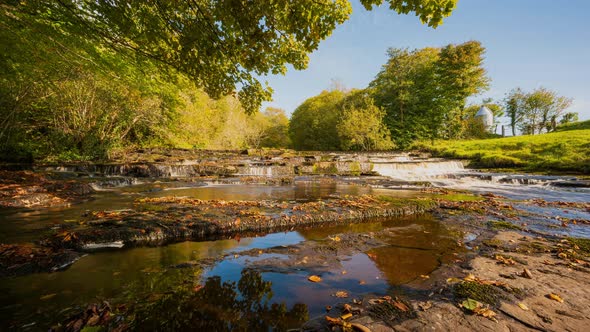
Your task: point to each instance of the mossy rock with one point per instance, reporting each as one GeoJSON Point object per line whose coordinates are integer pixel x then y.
{"type": "Point", "coordinates": [583, 244]}
{"type": "Point", "coordinates": [390, 313]}
{"type": "Point", "coordinates": [473, 290]}
{"type": "Point", "coordinates": [501, 225]}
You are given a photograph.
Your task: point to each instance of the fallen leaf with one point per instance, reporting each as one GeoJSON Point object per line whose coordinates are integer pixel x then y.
{"type": "Point", "coordinates": [402, 307]}
{"type": "Point", "coordinates": [470, 304]}
{"type": "Point", "coordinates": [314, 278]}
{"type": "Point", "coordinates": [341, 294]}
{"type": "Point", "coordinates": [526, 273]}
{"type": "Point", "coordinates": [47, 297]}
{"type": "Point", "coordinates": [486, 312]}
{"type": "Point", "coordinates": [425, 305]}
{"type": "Point", "coordinates": [523, 306]}
{"type": "Point", "coordinates": [424, 276]}
{"type": "Point", "coordinates": [555, 297]}
{"type": "Point", "coordinates": [346, 316]}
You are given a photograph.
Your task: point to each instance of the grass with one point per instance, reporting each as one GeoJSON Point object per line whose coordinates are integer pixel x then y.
{"type": "Point", "coordinates": [564, 151]}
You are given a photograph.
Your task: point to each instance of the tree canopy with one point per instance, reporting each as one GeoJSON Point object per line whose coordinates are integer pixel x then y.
{"type": "Point", "coordinates": [223, 46]}
{"type": "Point", "coordinates": [423, 92]}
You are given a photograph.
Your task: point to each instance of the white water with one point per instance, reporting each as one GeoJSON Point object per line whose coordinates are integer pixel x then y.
{"type": "Point", "coordinates": [451, 174]}
{"type": "Point", "coordinates": [418, 170]}
{"type": "Point", "coordinates": [266, 171]}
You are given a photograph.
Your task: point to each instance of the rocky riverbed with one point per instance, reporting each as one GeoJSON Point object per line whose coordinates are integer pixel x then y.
{"type": "Point", "coordinates": [306, 242]}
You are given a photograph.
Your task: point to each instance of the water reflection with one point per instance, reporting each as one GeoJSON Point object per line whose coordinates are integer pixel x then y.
{"type": "Point", "coordinates": [222, 306]}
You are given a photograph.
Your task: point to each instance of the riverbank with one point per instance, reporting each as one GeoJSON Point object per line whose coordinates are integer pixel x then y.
{"type": "Point", "coordinates": [558, 152]}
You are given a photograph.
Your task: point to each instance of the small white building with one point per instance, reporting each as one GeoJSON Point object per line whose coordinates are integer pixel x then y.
{"type": "Point", "coordinates": [486, 117]}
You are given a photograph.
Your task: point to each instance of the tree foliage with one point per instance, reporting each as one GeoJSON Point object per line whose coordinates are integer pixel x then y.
{"type": "Point", "coordinates": [221, 45]}
{"type": "Point", "coordinates": [360, 126]}
{"type": "Point", "coordinates": [313, 123]}
{"type": "Point", "coordinates": [424, 92]}
{"type": "Point", "coordinates": [536, 111]}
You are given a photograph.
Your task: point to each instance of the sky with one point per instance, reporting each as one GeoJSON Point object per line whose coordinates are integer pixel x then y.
{"type": "Point", "coordinates": [529, 44]}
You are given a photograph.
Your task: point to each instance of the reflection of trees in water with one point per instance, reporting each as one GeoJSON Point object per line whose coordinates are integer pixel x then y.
{"type": "Point", "coordinates": [222, 306]}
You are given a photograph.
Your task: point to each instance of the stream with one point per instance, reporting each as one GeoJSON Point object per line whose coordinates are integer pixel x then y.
{"type": "Point", "coordinates": [412, 246]}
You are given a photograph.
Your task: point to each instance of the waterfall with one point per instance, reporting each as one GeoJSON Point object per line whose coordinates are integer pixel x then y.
{"type": "Point", "coordinates": [266, 171]}
{"type": "Point", "coordinates": [420, 170]}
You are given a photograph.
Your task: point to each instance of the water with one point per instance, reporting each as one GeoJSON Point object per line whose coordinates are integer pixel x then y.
{"type": "Point", "coordinates": [149, 279]}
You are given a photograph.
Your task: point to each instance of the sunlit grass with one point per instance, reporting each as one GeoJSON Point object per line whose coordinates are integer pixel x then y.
{"type": "Point", "coordinates": [562, 151]}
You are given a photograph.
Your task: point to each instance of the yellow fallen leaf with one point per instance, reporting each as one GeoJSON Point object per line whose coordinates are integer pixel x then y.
{"type": "Point", "coordinates": [555, 297]}
{"type": "Point", "coordinates": [346, 316]}
{"type": "Point", "coordinates": [523, 306]}
{"type": "Point", "coordinates": [341, 294]}
{"type": "Point", "coordinates": [314, 279]}
{"type": "Point", "coordinates": [486, 312]}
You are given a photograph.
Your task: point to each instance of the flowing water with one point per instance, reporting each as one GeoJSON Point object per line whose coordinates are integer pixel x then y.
{"type": "Point", "coordinates": [415, 246]}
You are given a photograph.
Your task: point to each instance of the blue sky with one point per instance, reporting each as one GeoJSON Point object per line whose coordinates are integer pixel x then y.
{"type": "Point", "coordinates": [530, 43]}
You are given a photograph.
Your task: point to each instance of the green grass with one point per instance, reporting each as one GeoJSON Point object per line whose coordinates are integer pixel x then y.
{"type": "Point", "coordinates": [562, 151]}
{"type": "Point", "coordinates": [574, 126]}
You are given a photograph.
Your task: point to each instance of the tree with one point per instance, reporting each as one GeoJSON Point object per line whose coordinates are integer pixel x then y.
{"type": "Point", "coordinates": [313, 123]}
{"type": "Point", "coordinates": [514, 104]}
{"type": "Point", "coordinates": [569, 117]}
{"type": "Point", "coordinates": [220, 45]}
{"type": "Point", "coordinates": [277, 129]}
{"type": "Point", "coordinates": [424, 92]}
{"type": "Point", "coordinates": [535, 111]}
{"type": "Point", "coordinates": [404, 90]}
{"type": "Point", "coordinates": [461, 74]}
{"type": "Point", "coordinates": [360, 126]}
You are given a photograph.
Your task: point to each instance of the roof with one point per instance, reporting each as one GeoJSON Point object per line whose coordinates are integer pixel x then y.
{"type": "Point", "coordinates": [484, 111]}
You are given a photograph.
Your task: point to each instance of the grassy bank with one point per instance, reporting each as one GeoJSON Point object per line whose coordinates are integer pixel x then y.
{"type": "Point", "coordinates": [561, 151]}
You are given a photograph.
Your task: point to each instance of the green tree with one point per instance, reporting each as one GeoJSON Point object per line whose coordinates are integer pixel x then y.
{"type": "Point", "coordinates": [313, 123]}
{"type": "Point", "coordinates": [424, 92]}
{"type": "Point", "coordinates": [537, 110]}
{"type": "Point", "coordinates": [221, 45]}
{"type": "Point", "coordinates": [460, 74]}
{"type": "Point", "coordinates": [360, 126]}
{"type": "Point", "coordinates": [569, 117]}
{"type": "Point", "coordinates": [404, 89]}
{"type": "Point", "coordinates": [514, 104]}
{"type": "Point", "coordinates": [277, 128]}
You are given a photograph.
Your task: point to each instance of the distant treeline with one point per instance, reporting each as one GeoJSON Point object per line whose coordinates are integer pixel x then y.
{"type": "Point", "coordinates": [421, 95]}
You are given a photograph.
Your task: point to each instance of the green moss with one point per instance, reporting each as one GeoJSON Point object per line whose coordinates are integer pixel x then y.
{"type": "Point", "coordinates": [152, 207]}
{"type": "Point", "coordinates": [355, 168]}
{"type": "Point", "coordinates": [325, 168]}
{"type": "Point", "coordinates": [473, 290]}
{"type": "Point", "coordinates": [501, 225]}
{"type": "Point", "coordinates": [583, 244]}
{"type": "Point", "coordinates": [390, 313]}
{"type": "Point", "coordinates": [461, 198]}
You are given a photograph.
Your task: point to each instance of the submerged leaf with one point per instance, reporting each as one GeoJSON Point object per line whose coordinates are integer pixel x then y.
{"type": "Point", "coordinates": [314, 278]}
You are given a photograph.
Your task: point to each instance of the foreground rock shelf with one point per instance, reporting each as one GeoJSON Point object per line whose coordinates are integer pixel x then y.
{"type": "Point", "coordinates": [158, 221]}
